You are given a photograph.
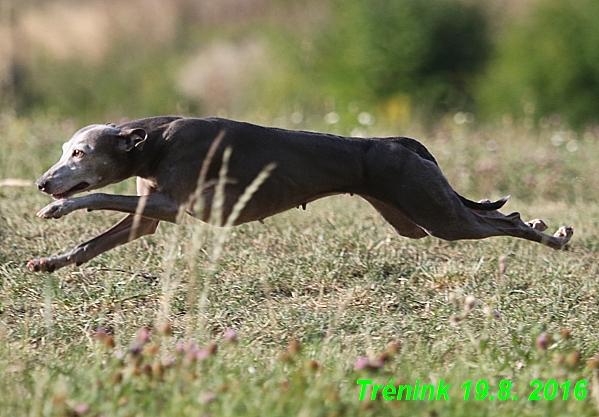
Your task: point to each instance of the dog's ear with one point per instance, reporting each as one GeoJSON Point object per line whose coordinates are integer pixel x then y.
{"type": "Point", "coordinates": [131, 138]}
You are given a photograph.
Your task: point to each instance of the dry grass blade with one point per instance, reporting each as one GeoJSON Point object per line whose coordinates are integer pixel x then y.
{"type": "Point", "coordinates": [15, 182]}
{"type": "Point", "coordinates": [238, 207]}
{"type": "Point", "coordinates": [196, 203]}
{"type": "Point", "coordinates": [141, 205]}
{"type": "Point", "coordinates": [218, 203]}
{"type": "Point", "coordinates": [221, 233]}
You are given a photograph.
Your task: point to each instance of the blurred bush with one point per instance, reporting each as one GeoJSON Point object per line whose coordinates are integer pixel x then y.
{"type": "Point", "coordinates": [114, 88]}
{"type": "Point", "coordinates": [547, 62]}
{"type": "Point", "coordinates": [107, 59]}
{"type": "Point", "coordinates": [81, 60]}
{"type": "Point", "coordinates": [427, 49]}
{"type": "Point", "coordinates": [399, 60]}
{"type": "Point", "coordinates": [387, 51]}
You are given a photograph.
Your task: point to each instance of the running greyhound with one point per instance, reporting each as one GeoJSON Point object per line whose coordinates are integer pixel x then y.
{"type": "Point", "coordinates": [168, 155]}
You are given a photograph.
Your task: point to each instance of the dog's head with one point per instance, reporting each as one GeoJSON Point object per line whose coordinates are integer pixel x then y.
{"type": "Point", "coordinates": [93, 158]}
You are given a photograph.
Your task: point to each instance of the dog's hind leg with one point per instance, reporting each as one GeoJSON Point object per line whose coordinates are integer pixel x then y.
{"type": "Point", "coordinates": [512, 225]}
{"type": "Point", "coordinates": [417, 189]}
{"type": "Point", "coordinates": [400, 223]}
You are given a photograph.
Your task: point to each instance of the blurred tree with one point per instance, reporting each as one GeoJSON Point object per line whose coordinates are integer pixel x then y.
{"type": "Point", "coordinates": [428, 52]}
{"type": "Point", "coordinates": [428, 49]}
{"type": "Point", "coordinates": [547, 63]}
{"type": "Point", "coordinates": [113, 88]}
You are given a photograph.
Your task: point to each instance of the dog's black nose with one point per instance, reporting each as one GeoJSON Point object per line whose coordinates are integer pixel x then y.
{"type": "Point", "coordinates": [41, 185]}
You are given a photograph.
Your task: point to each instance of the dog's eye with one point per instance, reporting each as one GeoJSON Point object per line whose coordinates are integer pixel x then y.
{"type": "Point", "coordinates": [77, 153]}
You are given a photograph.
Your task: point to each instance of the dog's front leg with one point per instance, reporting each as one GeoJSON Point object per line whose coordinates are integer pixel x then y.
{"type": "Point", "coordinates": [119, 234]}
{"type": "Point", "coordinates": [156, 206]}
{"type": "Point", "coordinates": [59, 208]}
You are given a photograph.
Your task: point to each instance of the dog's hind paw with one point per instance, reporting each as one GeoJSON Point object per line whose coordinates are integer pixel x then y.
{"type": "Point", "coordinates": [537, 224]}
{"type": "Point", "coordinates": [565, 233]}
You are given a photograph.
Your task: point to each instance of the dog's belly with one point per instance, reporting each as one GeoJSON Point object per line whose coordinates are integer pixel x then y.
{"type": "Point", "coordinates": [264, 203]}
{"type": "Point", "coordinates": [258, 209]}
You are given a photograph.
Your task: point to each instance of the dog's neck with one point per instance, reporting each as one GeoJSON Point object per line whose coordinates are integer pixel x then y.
{"type": "Point", "coordinates": [142, 160]}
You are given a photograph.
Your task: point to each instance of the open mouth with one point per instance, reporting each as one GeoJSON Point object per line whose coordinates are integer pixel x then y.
{"type": "Point", "coordinates": [79, 187]}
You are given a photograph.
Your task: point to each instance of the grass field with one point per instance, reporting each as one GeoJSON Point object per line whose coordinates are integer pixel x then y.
{"type": "Point", "coordinates": [291, 314]}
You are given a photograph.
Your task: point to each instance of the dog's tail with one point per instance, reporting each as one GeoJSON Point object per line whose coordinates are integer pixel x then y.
{"type": "Point", "coordinates": [484, 205]}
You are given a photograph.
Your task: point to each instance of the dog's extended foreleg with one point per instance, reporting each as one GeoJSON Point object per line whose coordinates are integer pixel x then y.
{"type": "Point", "coordinates": [155, 206]}
{"type": "Point", "coordinates": [122, 232]}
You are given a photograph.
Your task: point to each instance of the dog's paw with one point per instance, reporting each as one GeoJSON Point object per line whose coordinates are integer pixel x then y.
{"type": "Point", "coordinates": [537, 224]}
{"type": "Point", "coordinates": [565, 233]}
{"type": "Point", "coordinates": [53, 263]}
{"type": "Point", "coordinates": [42, 265]}
{"type": "Point", "coordinates": [57, 209]}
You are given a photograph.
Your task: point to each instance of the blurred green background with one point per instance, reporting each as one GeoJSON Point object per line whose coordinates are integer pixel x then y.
{"type": "Point", "coordinates": [309, 61]}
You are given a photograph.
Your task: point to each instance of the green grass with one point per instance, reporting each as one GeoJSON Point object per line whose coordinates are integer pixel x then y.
{"type": "Point", "coordinates": [308, 293]}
